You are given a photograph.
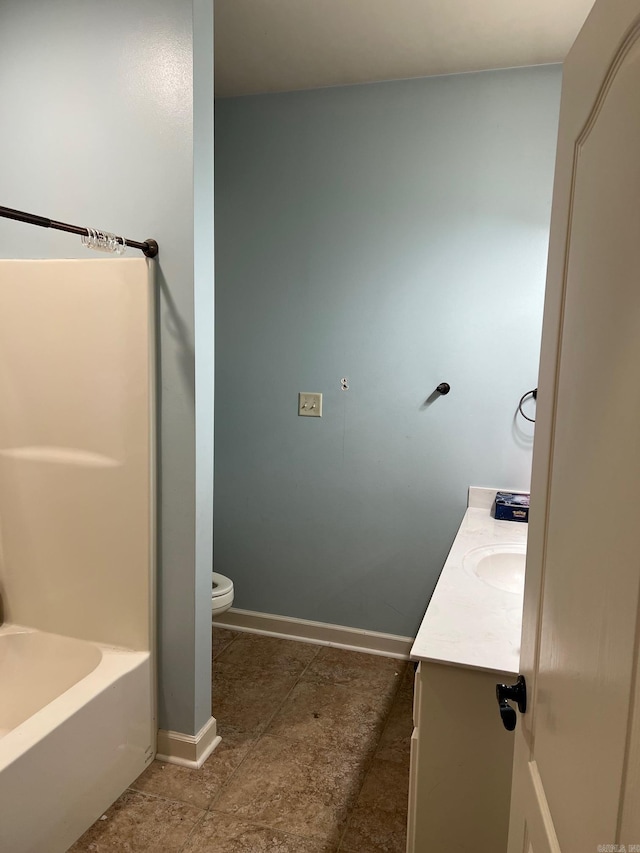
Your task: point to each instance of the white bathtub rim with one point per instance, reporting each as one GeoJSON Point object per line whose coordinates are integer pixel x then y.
{"type": "Point", "coordinates": [115, 662]}
{"type": "Point", "coordinates": [18, 741]}
{"type": "Point", "coordinates": [15, 628]}
{"type": "Point", "coordinates": [71, 776]}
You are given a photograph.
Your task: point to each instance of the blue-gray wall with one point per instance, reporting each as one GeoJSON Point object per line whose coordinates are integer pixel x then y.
{"type": "Point", "coordinates": [106, 115]}
{"type": "Point", "coordinates": [395, 234]}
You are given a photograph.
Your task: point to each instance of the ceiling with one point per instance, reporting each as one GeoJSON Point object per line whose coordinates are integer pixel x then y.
{"type": "Point", "coordinates": [283, 45]}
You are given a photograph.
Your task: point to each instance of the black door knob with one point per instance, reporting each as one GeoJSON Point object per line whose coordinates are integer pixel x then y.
{"type": "Point", "coordinates": [506, 693]}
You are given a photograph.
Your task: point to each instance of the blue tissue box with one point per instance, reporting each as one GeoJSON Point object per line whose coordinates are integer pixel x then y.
{"type": "Point", "coordinates": [512, 506]}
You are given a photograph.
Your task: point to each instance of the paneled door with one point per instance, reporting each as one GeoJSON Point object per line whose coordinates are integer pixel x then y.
{"type": "Point", "coordinates": [576, 786]}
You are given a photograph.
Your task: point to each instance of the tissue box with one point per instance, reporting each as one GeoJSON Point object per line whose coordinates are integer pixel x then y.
{"type": "Point", "coordinates": [512, 506]}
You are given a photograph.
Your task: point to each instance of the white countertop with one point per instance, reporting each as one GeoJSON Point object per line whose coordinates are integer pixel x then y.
{"type": "Point", "coordinates": [469, 623]}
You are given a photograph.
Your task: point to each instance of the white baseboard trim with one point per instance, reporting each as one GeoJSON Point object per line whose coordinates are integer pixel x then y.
{"type": "Point", "coordinates": [188, 750]}
{"type": "Point", "coordinates": [320, 633]}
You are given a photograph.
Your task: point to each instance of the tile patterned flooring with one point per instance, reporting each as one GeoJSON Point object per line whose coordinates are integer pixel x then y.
{"type": "Point", "coordinates": [314, 759]}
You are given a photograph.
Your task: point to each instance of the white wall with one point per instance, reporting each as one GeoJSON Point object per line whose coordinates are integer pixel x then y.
{"type": "Point", "coordinates": [97, 111]}
{"type": "Point", "coordinates": [395, 234]}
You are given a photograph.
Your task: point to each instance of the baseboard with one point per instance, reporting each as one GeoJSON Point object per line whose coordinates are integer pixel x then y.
{"type": "Point", "coordinates": [188, 750]}
{"type": "Point", "coordinates": [320, 633]}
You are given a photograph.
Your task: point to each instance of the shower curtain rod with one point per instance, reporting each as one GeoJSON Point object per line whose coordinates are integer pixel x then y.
{"type": "Point", "coordinates": [149, 247]}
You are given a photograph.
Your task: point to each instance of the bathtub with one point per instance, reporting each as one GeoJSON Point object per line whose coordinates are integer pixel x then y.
{"type": "Point", "coordinates": [76, 728]}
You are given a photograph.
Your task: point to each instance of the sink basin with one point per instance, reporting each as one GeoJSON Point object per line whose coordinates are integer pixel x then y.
{"type": "Point", "coordinates": [500, 566]}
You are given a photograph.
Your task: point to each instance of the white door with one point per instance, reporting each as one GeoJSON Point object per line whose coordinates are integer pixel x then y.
{"type": "Point", "coordinates": [576, 782]}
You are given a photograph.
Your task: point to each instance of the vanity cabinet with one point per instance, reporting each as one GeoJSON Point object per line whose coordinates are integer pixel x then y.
{"type": "Point", "coordinates": [469, 641]}
{"type": "Point", "coordinates": [461, 758]}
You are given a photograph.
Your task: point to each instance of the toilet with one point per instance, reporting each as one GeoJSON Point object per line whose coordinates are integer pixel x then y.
{"type": "Point", "coordinates": [221, 594]}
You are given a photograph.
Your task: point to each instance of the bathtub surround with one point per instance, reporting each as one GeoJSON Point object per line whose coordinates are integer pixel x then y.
{"type": "Point", "coordinates": [107, 122]}
{"type": "Point", "coordinates": [394, 234]}
{"type": "Point", "coordinates": [77, 516]}
{"type": "Point", "coordinates": [77, 537]}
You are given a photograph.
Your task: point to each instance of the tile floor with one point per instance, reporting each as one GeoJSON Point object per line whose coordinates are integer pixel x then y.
{"type": "Point", "coordinates": [314, 759]}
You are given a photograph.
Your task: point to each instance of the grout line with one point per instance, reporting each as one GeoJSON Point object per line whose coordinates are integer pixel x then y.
{"type": "Point", "coordinates": [224, 648]}
{"type": "Point", "coordinates": [261, 825]}
{"type": "Point", "coordinates": [151, 796]}
{"type": "Point", "coordinates": [260, 733]}
{"type": "Point", "coordinates": [193, 829]}
{"type": "Point", "coordinates": [251, 748]}
{"type": "Point", "coordinates": [218, 793]}
{"type": "Point", "coordinates": [369, 764]}
{"type": "Point", "coordinates": [345, 689]}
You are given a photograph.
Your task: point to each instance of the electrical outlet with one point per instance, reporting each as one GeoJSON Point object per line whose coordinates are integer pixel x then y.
{"type": "Point", "coordinates": [310, 405]}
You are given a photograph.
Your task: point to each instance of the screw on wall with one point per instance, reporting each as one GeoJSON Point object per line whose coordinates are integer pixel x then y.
{"type": "Point", "coordinates": [344, 384]}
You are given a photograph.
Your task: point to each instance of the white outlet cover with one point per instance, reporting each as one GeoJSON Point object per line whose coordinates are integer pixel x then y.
{"type": "Point", "coordinates": [309, 405]}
